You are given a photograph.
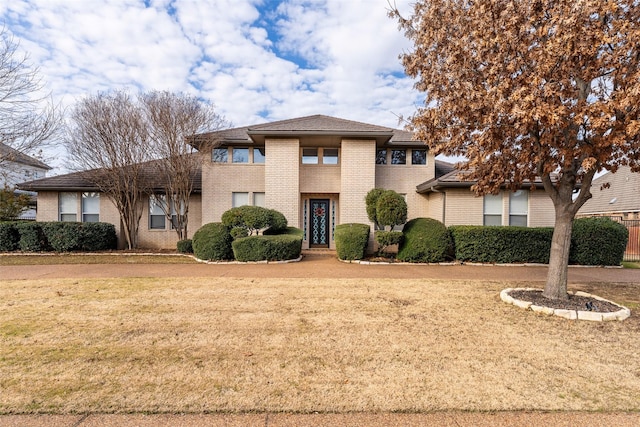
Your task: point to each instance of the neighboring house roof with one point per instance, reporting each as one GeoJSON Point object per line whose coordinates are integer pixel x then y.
{"type": "Point", "coordinates": [12, 155]}
{"type": "Point", "coordinates": [81, 181]}
{"type": "Point", "coordinates": [447, 176]}
{"type": "Point", "coordinates": [614, 193]}
{"type": "Point", "coordinates": [317, 125]}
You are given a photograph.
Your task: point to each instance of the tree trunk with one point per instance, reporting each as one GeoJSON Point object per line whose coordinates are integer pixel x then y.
{"type": "Point", "coordinates": [556, 286]}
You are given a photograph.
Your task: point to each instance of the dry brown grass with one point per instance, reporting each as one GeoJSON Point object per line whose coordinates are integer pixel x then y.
{"type": "Point", "coordinates": [302, 345]}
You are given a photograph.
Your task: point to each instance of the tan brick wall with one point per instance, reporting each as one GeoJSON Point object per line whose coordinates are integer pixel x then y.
{"type": "Point", "coordinates": [541, 211]}
{"type": "Point", "coordinates": [47, 204]}
{"type": "Point", "coordinates": [358, 177]}
{"type": "Point", "coordinates": [403, 179]}
{"type": "Point", "coordinates": [320, 178]}
{"type": "Point", "coordinates": [282, 178]}
{"type": "Point", "coordinates": [219, 180]}
{"type": "Point", "coordinates": [436, 206]}
{"type": "Point", "coordinates": [463, 208]}
{"type": "Point", "coordinates": [168, 238]}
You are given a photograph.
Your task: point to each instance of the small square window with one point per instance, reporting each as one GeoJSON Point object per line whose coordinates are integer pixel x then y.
{"type": "Point", "coordinates": [240, 155]}
{"type": "Point", "coordinates": [220, 155]}
{"type": "Point", "coordinates": [239, 199]}
{"type": "Point", "coordinates": [310, 156]}
{"type": "Point", "coordinates": [398, 157]}
{"type": "Point", "coordinates": [330, 156]}
{"type": "Point", "coordinates": [418, 157]}
{"type": "Point", "coordinates": [381, 156]}
{"type": "Point", "coordinates": [258, 155]}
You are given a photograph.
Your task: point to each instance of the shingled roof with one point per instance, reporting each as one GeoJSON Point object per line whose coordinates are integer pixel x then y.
{"type": "Point", "coordinates": [10, 154]}
{"type": "Point", "coordinates": [82, 181]}
{"type": "Point", "coordinates": [316, 125]}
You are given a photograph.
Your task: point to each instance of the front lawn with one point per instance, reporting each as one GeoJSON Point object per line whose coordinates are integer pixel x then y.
{"type": "Point", "coordinates": [304, 345]}
{"type": "Point", "coordinates": [112, 258]}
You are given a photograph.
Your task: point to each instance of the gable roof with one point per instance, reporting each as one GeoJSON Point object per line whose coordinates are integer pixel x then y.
{"type": "Point", "coordinates": [10, 154]}
{"type": "Point", "coordinates": [614, 193]}
{"type": "Point", "coordinates": [316, 125]}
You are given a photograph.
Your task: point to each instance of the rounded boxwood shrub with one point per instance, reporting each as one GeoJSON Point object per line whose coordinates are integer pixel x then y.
{"type": "Point", "coordinates": [63, 236]}
{"type": "Point", "coordinates": [9, 236]}
{"type": "Point", "coordinates": [32, 239]}
{"type": "Point", "coordinates": [254, 219]}
{"type": "Point", "coordinates": [387, 238]}
{"type": "Point", "coordinates": [598, 241]}
{"type": "Point", "coordinates": [213, 242]}
{"type": "Point", "coordinates": [425, 240]}
{"type": "Point", "coordinates": [351, 240]}
{"type": "Point", "coordinates": [98, 236]}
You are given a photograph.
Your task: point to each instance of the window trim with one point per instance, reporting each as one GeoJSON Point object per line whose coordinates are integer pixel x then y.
{"type": "Point", "coordinates": [263, 155]}
{"type": "Point", "coordinates": [239, 160]}
{"type": "Point", "coordinates": [157, 200]}
{"type": "Point", "coordinates": [519, 214]}
{"type": "Point", "coordinates": [419, 150]}
{"type": "Point", "coordinates": [404, 151]}
{"type": "Point", "coordinates": [498, 200]}
{"type": "Point", "coordinates": [85, 213]}
{"type": "Point", "coordinates": [383, 160]}
{"type": "Point", "coordinates": [62, 213]}
{"type": "Point", "coordinates": [309, 159]}
{"type": "Point", "coordinates": [215, 159]}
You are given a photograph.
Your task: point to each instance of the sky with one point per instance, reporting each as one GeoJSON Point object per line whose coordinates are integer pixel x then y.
{"type": "Point", "coordinates": [255, 60]}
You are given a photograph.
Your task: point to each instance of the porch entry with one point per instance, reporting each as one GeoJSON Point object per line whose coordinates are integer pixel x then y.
{"type": "Point", "coordinates": [319, 224]}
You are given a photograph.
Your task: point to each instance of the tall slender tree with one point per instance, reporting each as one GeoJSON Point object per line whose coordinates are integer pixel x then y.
{"type": "Point", "coordinates": [526, 89]}
{"type": "Point", "coordinates": [109, 139]}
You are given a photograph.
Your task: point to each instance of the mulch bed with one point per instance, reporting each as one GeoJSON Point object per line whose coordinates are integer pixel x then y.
{"type": "Point", "coordinates": [574, 302]}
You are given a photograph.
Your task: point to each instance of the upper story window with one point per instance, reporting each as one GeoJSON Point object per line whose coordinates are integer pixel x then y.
{"type": "Point", "coordinates": [419, 156]}
{"type": "Point", "coordinates": [258, 155]}
{"type": "Point", "coordinates": [518, 208]}
{"type": "Point", "coordinates": [493, 209]}
{"type": "Point", "coordinates": [68, 207]}
{"type": "Point", "coordinates": [90, 207]}
{"type": "Point", "coordinates": [399, 157]}
{"type": "Point", "coordinates": [240, 155]}
{"type": "Point", "coordinates": [330, 156]}
{"type": "Point", "coordinates": [310, 156]}
{"type": "Point", "coordinates": [220, 155]}
{"type": "Point", "coordinates": [381, 156]}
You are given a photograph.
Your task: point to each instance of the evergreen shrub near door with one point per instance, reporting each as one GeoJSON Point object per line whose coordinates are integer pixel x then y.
{"type": "Point", "coordinates": [425, 240]}
{"type": "Point", "coordinates": [351, 240]}
{"type": "Point", "coordinates": [272, 247]}
{"type": "Point", "coordinates": [598, 241]}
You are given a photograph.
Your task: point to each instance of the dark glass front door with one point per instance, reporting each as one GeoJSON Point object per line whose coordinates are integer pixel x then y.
{"type": "Point", "coordinates": [319, 223]}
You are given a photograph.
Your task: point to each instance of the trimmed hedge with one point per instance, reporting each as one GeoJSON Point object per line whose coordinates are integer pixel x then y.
{"type": "Point", "coordinates": [275, 247]}
{"type": "Point", "coordinates": [9, 236]}
{"type": "Point", "coordinates": [32, 238]}
{"type": "Point", "coordinates": [496, 244]}
{"type": "Point", "coordinates": [351, 240]}
{"type": "Point", "coordinates": [213, 242]}
{"type": "Point", "coordinates": [254, 218]}
{"type": "Point", "coordinates": [388, 238]}
{"type": "Point", "coordinates": [61, 236]}
{"type": "Point", "coordinates": [425, 240]}
{"type": "Point", "coordinates": [598, 241]}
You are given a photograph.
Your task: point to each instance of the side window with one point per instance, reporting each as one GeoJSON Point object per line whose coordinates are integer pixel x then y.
{"type": "Point", "coordinates": [157, 204]}
{"type": "Point", "coordinates": [239, 199]}
{"type": "Point", "coordinates": [258, 155]}
{"type": "Point", "coordinates": [258, 199]}
{"type": "Point", "coordinates": [90, 207]}
{"type": "Point", "coordinates": [381, 156]}
{"type": "Point", "coordinates": [518, 208]}
{"type": "Point", "coordinates": [310, 156]}
{"type": "Point", "coordinates": [330, 156]}
{"type": "Point", "coordinates": [493, 209]}
{"type": "Point", "coordinates": [68, 207]}
{"type": "Point", "coordinates": [220, 155]}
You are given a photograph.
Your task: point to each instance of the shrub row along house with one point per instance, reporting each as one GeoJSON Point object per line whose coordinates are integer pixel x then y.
{"type": "Point", "coordinates": [316, 170]}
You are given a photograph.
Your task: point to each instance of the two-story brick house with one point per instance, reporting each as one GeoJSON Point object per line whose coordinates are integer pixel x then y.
{"type": "Point", "coordinates": [317, 171]}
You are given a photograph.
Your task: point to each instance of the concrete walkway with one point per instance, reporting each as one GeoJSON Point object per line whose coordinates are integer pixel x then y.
{"type": "Point", "coordinates": [325, 266]}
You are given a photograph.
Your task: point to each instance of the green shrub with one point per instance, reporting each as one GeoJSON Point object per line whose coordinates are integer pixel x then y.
{"type": "Point", "coordinates": [32, 239]}
{"type": "Point", "coordinates": [351, 240]}
{"type": "Point", "coordinates": [185, 246]}
{"type": "Point", "coordinates": [213, 242]}
{"type": "Point", "coordinates": [391, 209]}
{"type": "Point", "coordinates": [371, 200]}
{"type": "Point", "coordinates": [239, 232]}
{"type": "Point", "coordinates": [9, 236]}
{"type": "Point", "coordinates": [387, 238]}
{"type": "Point", "coordinates": [63, 236]}
{"type": "Point", "coordinates": [277, 222]}
{"type": "Point", "coordinates": [598, 241]}
{"type": "Point", "coordinates": [502, 244]}
{"type": "Point", "coordinates": [425, 240]}
{"type": "Point", "coordinates": [268, 248]}
{"type": "Point", "coordinates": [98, 236]}
{"type": "Point", "coordinates": [253, 219]}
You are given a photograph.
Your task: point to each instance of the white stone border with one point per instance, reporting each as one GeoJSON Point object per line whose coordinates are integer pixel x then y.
{"type": "Point", "coordinates": [594, 316]}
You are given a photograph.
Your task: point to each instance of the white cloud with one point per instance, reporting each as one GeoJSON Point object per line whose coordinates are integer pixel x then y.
{"type": "Point", "coordinates": [255, 60]}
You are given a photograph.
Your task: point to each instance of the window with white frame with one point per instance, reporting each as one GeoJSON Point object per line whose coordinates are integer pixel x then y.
{"type": "Point", "coordinates": [310, 156]}
{"type": "Point", "coordinates": [90, 207]}
{"type": "Point", "coordinates": [258, 199]}
{"type": "Point", "coordinates": [157, 216]}
{"type": "Point", "coordinates": [518, 208]}
{"type": "Point", "coordinates": [330, 156]}
{"type": "Point", "coordinates": [239, 199]}
{"type": "Point", "coordinates": [493, 209]}
{"type": "Point", "coordinates": [68, 207]}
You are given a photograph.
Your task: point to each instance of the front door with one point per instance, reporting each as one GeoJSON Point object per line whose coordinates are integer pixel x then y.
{"type": "Point", "coordinates": [319, 223]}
